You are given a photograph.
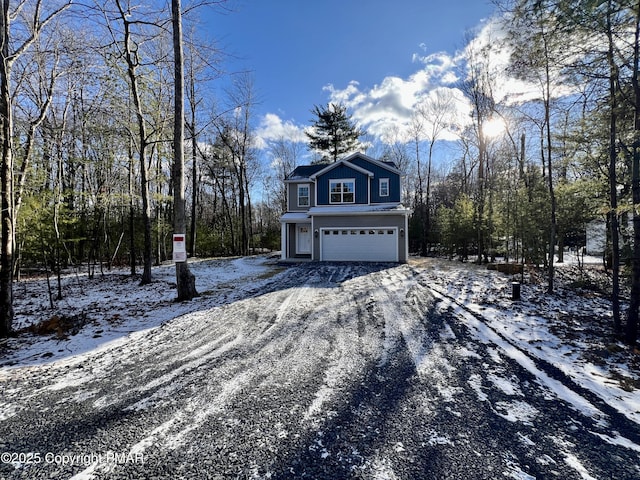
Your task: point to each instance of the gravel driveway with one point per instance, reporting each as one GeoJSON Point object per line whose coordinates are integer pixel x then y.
{"type": "Point", "coordinates": [324, 372]}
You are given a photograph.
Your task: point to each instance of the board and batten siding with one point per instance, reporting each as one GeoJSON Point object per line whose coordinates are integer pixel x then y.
{"type": "Point", "coordinates": [364, 183]}
{"type": "Point", "coordinates": [378, 173]}
{"type": "Point", "coordinates": [343, 172]}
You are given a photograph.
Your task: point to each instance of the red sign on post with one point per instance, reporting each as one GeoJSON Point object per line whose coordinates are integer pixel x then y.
{"type": "Point", "coordinates": [179, 247]}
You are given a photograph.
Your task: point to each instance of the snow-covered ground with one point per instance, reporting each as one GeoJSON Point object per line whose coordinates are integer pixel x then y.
{"type": "Point", "coordinates": [571, 332]}
{"type": "Point", "coordinates": [111, 306]}
{"type": "Point", "coordinates": [424, 370]}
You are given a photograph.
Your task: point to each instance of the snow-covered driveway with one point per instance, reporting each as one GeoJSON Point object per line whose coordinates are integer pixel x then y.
{"type": "Point", "coordinates": [319, 371]}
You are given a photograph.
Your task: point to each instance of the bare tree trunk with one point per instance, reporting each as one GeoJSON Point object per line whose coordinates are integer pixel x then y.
{"type": "Point", "coordinates": [552, 197]}
{"type": "Point", "coordinates": [131, 59]}
{"type": "Point", "coordinates": [416, 130]}
{"type": "Point", "coordinates": [426, 226]}
{"type": "Point", "coordinates": [6, 182]}
{"type": "Point", "coordinates": [613, 191]}
{"type": "Point", "coordinates": [185, 280]}
{"type": "Point", "coordinates": [479, 212]}
{"type": "Point", "coordinates": [132, 240]}
{"type": "Point", "coordinates": [631, 333]}
{"type": "Point", "coordinates": [194, 179]}
{"type": "Point", "coordinates": [7, 207]}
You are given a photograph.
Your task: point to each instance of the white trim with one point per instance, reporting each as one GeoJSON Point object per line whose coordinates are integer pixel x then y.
{"type": "Point", "coordinates": [374, 161]}
{"type": "Point", "coordinates": [283, 240]}
{"type": "Point", "coordinates": [294, 217]}
{"type": "Point", "coordinates": [359, 210]}
{"type": "Point", "coordinates": [313, 240]}
{"type": "Point", "coordinates": [406, 238]}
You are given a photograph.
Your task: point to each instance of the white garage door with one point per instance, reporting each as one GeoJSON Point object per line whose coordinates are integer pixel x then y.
{"type": "Point", "coordinates": [359, 244]}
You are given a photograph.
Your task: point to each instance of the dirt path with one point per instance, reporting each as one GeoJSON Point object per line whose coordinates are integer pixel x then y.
{"type": "Point", "coordinates": [331, 371]}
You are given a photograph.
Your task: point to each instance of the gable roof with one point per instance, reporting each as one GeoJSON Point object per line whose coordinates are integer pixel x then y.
{"type": "Point", "coordinates": [387, 165]}
{"type": "Point", "coordinates": [310, 172]}
{"type": "Point", "coordinates": [337, 163]}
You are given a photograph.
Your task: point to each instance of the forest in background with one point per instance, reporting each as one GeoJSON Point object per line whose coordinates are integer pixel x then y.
{"type": "Point", "coordinates": [90, 91]}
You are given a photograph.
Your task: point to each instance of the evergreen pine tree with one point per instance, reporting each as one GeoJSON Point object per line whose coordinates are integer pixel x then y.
{"type": "Point", "coordinates": [333, 133]}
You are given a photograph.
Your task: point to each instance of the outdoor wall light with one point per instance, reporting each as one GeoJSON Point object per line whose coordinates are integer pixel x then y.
{"type": "Point", "coordinates": [402, 232]}
{"type": "Point", "coordinates": [316, 233]}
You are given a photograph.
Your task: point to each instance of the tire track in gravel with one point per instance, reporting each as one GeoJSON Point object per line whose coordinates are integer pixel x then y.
{"type": "Point", "coordinates": [337, 371]}
{"type": "Point", "coordinates": [318, 360]}
{"type": "Point", "coordinates": [549, 375]}
{"type": "Point", "coordinates": [177, 356]}
{"type": "Point", "coordinates": [442, 403]}
{"type": "Point", "coordinates": [351, 427]}
{"type": "Point", "coordinates": [575, 439]}
{"type": "Point", "coordinates": [251, 365]}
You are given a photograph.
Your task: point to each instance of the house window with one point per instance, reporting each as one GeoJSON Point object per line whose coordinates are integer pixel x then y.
{"type": "Point", "coordinates": [384, 187]}
{"type": "Point", "coordinates": [342, 191]}
{"type": "Point", "coordinates": [303, 195]}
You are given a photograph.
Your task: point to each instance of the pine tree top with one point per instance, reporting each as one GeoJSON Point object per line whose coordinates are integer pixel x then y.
{"type": "Point", "coordinates": [333, 133]}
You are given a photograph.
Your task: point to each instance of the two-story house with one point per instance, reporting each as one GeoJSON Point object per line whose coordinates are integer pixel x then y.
{"type": "Point", "coordinates": [349, 210]}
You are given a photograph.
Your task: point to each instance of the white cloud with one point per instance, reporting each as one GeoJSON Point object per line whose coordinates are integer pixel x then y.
{"type": "Point", "coordinates": [385, 110]}
{"type": "Point", "coordinates": [272, 127]}
{"type": "Point", "coordinates": [437, 64]}
{"type": "Point", "coordinates": [490, 48]}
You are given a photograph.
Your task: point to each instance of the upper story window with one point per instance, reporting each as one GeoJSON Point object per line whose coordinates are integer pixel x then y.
{"type": "Point", "coordinates": [342, 191]}
{"type": "Point", "coordinates": [384, 187]}
{"type": "Point", "coordinates": [303, 195]}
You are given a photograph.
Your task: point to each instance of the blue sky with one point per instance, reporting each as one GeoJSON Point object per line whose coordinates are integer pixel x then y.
{"type": "Point", "coordinates": [374, 55]}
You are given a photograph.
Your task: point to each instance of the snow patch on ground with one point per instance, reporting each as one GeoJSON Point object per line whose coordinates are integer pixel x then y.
{"type": "Point", "coordinates": [526, 334]}
{"type": "Point", "coordinates": [116, 309]}
{"type": "Point", "coordinates": [516, 411]}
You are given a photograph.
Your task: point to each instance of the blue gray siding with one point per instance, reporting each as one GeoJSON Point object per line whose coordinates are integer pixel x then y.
{"type": "Point", "coordinates": [363, 183]}
{"type": "Point", "coordinates": [343, 171]}
{"type": "Point", "coordinates": [378, 173]}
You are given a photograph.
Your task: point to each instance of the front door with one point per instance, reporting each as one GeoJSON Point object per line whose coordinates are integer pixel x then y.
{"type": "Point", "coordinates": [303, 239]}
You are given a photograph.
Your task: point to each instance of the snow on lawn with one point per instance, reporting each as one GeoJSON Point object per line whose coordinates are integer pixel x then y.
{"type": "Point", "coordinates": [110, 308]}
{"type": "Point", "coordinates": [570, 330]}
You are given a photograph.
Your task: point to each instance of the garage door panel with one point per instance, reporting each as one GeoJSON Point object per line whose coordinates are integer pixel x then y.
{"type": "Point", "coordinates": [360, 244]}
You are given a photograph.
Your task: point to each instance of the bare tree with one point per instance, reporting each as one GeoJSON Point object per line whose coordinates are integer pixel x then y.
{"type": "Point", "coordinates": [435, 110]}
{"type": "Point", "coordinates": [613, 180]}
{"type": "Point", "coordinates": [129, 50]}
{"type": "Point", "coordinates": [478, 88]}
{"type": "Point", "coordinates": [631, 333]}
{"type": "Point", "coordinates": [31, 26]}
{"type": "Point", "coordinates": [416, 132]}
{"type": "Point", "coordinates": [285, 154]}
{"type": "Point", "coordinates": [235, 135]}
{"type": "Point", "coordinates": [185, 280]}
{"type": "Point", "coordinates": [395, 150]}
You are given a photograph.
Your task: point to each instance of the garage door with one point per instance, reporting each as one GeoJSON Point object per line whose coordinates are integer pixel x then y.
{"type": "Point", "coordinates": [359, 244]}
